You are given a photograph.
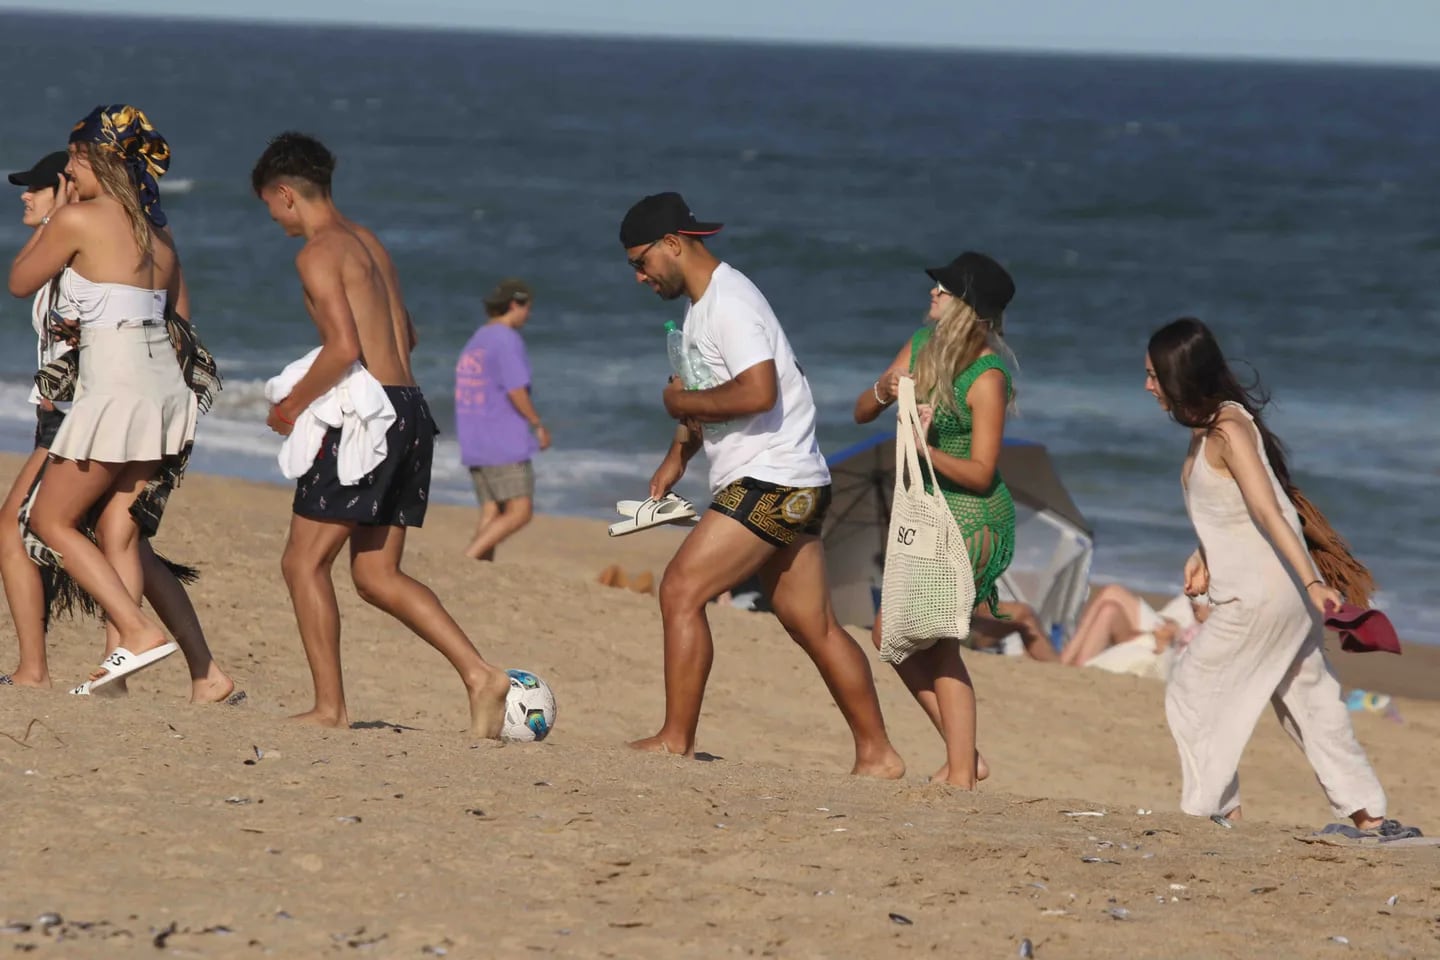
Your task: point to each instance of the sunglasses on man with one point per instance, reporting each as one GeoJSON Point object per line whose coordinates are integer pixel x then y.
{"type": "Point", "coordinates": [637, 263]}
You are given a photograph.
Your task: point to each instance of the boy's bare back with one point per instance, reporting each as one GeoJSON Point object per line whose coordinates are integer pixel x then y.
{"type": "Point", "coordinates": [372, 289]}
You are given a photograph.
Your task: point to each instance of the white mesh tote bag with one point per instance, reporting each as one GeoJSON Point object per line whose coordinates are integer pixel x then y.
{"type": "Point", "coordinates": [929, 587]}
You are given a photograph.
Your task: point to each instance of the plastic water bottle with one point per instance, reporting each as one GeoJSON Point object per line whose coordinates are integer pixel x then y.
{"type": "Point", "coordinates": [691, 370]}
{"type": "Point", "coordinates": [679, 361]}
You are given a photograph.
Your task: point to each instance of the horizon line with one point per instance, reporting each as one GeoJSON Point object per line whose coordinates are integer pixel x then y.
{"type": "Point", "coordinates": [853, 44]}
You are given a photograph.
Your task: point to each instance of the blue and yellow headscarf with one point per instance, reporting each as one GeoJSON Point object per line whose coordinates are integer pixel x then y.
{"type": "Point", "coordinates": [126, 131]}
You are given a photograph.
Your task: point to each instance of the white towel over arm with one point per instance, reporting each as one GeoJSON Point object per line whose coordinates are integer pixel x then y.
{"type": "Point", "coordinates": [357, 405]}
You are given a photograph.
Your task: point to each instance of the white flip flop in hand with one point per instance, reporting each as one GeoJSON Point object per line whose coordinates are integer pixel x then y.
{"type": "Point", "coordinates": [643, 514]}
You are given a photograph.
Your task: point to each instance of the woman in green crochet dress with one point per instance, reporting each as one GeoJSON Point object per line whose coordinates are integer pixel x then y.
{"type": "Point", "coordinates": [964, 389]}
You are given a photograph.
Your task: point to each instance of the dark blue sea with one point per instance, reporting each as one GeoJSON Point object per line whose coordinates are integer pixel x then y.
{"type": "Point", "coordinates": [1295, 208]}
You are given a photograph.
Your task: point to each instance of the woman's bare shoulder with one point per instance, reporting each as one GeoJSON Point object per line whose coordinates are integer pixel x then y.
{"type": "Point", "coordinates": [1231, 428]}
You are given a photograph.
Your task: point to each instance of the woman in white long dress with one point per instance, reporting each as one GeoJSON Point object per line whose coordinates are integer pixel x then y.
{"type": "Point", "coordinates": [1262, 642]}
{"type": "Point", "coordinates": [118, 270]}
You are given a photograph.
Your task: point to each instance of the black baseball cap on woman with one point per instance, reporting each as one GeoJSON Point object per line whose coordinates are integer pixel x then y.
{"type": "Point", "coordinates": [44, 174]}
{"type": "Point", "coordinates": [979, 281]}
{"type": "Point", "coordinates": [659, 214]}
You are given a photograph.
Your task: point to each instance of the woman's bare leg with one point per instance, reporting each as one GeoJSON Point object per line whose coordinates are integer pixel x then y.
{"type": "Point", "coordinates": [70, 489]}
{"type": "Point", "coordinates": [1113, 616]}
{"type": "Point", "coordinates": [171, 603]}
{"type": "Point", "coordinates": [918, 673]}
{"type": "Point", "coordinates": [955, 694]}
{"type": "Point", "coordinates": [23, 588]}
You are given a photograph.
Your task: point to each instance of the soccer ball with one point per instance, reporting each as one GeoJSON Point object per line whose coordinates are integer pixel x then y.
{"type": "Point", "coordinates": [529, 708]}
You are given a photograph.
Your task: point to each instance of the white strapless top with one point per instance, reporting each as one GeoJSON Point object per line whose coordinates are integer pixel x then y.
{"type": "Point", "coordinates": [110, 304]}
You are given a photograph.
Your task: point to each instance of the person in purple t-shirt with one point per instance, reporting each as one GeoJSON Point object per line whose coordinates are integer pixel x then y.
{"type": "Point", "coordinates": [497, 424]}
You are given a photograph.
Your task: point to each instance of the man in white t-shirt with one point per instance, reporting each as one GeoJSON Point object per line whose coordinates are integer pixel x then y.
{"type": "Point", "coordinates": [755, 417]}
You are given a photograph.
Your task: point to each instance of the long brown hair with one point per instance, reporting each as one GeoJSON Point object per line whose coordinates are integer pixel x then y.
{"type": "Point", "coordinates": [1196, 380]}
{"type": "Point", "coordinates": [117, 181]}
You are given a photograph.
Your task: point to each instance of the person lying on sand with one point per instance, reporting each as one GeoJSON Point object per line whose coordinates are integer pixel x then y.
{"type": "Point", "coordinates": [1118, 619]}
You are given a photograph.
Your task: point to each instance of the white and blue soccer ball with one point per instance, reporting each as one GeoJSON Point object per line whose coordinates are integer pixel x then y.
{"type": "Point", "coordinates": [529, 708]}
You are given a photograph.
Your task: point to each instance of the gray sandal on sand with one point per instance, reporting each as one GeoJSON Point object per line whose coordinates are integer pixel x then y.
{"type": "Point", "coordinates": [1389, 832]}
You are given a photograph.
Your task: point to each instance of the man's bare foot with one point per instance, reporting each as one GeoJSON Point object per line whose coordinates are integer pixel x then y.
{"type": "Point", "coordinates": [474, 553]}
{"type": "Point", "coordinates": [487, 694]}
{"type": "Point", "coordinates": [658, 744]}
{"type": "Point", "coordinates": [323, 718]}
{"type": "Point", "coordinates": [215, 688]}
{"type": "Point", "coordinates": [887, 765]}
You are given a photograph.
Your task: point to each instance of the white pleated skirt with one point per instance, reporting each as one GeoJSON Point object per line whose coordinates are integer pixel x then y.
{"type": "Point", "coordinates": [131, 401]}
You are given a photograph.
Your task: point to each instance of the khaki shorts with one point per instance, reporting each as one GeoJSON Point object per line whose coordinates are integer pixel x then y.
{"type": "Point", "coordinates": [511, 481]}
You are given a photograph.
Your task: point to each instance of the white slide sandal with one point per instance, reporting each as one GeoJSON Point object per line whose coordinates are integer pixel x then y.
{"type": "Point", "coordinates": [643, 514]}
{"type": "Point", "coordinates": [104, 693]}
{"type": "Point", "coordinates": [628, 508]}
{"type": "Point", "coordinates": [122, 663]}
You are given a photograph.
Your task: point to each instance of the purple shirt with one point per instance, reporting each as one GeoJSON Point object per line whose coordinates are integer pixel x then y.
{"type": "Point", "coordinates": [492, 433]}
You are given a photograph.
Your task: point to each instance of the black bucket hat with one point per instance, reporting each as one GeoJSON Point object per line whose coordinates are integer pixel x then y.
{"type": "Point", "coordinates": [979, 281]}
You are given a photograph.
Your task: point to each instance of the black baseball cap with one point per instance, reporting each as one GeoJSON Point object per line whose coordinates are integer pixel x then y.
{"type": "Point", "coordinates": [44, 174]}
{"type": "Point", "coordinates": [979, 281]}
{"type": "Point", "coordinates": [660, 214]}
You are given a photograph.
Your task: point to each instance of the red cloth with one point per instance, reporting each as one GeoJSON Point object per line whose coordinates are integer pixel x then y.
{"type": "Point", "coordinates": [1362, 630]}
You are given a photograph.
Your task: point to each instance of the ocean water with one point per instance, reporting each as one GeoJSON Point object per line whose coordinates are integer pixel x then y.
{"type": "Point", "coordinates": [1295, 208]}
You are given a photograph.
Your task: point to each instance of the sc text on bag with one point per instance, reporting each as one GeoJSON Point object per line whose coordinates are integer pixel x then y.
{"type": "Point", "coordinates": [916, 541]}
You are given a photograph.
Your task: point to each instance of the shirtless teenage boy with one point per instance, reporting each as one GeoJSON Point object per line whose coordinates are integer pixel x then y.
{"type": "Point", "coordinates": [352, 292]}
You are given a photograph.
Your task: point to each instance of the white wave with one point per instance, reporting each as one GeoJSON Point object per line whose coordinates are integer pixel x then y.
{"type": "Point", "coordinates": [1146, 519]}
{"type": "Point", "coordinates": [242, 400]}
{"type": "Point", "coordinates": [177, 185]}
{"type": "Point", "coordinates": [15, 402]}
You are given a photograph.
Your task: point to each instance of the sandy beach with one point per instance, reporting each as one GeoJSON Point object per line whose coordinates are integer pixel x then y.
{"type": "Point", "coordinates": [227, 832]}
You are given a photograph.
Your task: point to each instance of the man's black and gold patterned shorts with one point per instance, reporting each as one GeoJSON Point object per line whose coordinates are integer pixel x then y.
{"type": "Point", "coordinates": [774, 513]}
